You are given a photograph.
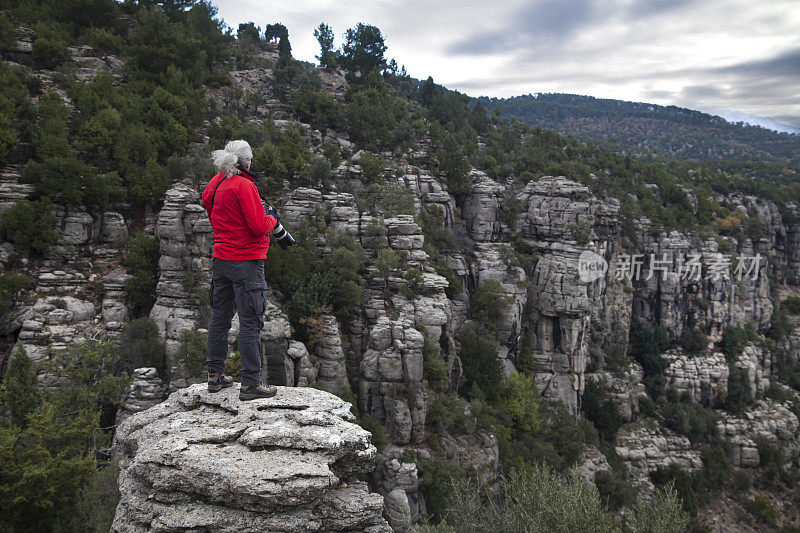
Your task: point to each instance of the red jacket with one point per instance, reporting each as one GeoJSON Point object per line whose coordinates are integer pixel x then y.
{"type": "Point", "coordinates": [240, 222]}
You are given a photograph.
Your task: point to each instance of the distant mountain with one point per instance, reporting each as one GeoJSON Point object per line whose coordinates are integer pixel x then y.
{"type": "Point", "coordinates": [649, 130]}
{"type": "Point", "coordinates": [736, 117]}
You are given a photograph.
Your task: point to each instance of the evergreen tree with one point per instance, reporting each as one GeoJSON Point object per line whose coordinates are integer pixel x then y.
{"type": "Point", "coordinates": [21, 388]}
{"type": "Point", "coordinates": [364, 48]}
{"type": "Point", "coordinates": [327, 57]}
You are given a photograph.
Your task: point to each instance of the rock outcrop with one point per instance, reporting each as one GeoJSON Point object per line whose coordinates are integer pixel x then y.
{"type": "Point", "coordinates": [209, 462]}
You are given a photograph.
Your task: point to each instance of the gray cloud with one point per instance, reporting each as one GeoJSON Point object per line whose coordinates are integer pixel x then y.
{"type": "Point", "coordinates": [544, 20]}
{"type": "Point", "coordinates": [691, 53]}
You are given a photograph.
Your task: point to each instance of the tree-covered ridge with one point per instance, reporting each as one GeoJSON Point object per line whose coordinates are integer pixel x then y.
{"type": "Point", "coordinates": [647, 130]}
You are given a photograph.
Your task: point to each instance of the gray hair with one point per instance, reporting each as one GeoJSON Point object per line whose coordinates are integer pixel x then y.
{"type": "Point", "coordinates": [235, 153]}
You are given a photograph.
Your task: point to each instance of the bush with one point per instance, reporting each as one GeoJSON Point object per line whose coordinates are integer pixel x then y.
{"type": "Point", "coordinates": [30, 224]}
{"type": "Point", "coordinates": [488, 302]}
{"type": "Point", "coordinates": [762, 508]}
{"type": "Point", "coordinates": [662, 514]}
{"type": "Point", "coordinates": [615, 491]}
{"type": "Point", "coordinates": [434, 367]}
{"type": "Point", "coordinates": [519, 401]}
{"type": "Point", "coordinates": [437, 478]}
{"type": "Point", "coordinates": [734, 339]}
{"type": "Point", "coordinates": [647, 343]}
{"type": "Point", "coordinates": [10, 284]}
{"type": "Point", "coordinates": [478, 353]}
{"type": "Point", "coordinates": [140, 346]}
{"type": "Point", "coordinates": [142, 259]}
{"type": "Point", "coordinates": [682, 483]}
{"type": "Point", "coordinates": [20, 387]}
{"type": "Point", "coordinates": [716, 469]}
{"type": "Point", "coordinates": [317, 171]}
{"type": "Point", "coordinates": [526, 362]}
{"type": "Point", "coordinates": [97, 501]}
{"type": "Point", "coordinates": [693, 340]}
{"type": "Point", "coordinates": [191, 354]}
{"type": "Point", "coordinates": [448, 410]}
{"type": "Point", "coordinates": [374, 426]}
{"type": "Point", "coordinates": [371, 167]}
{"type": "Point", "coordinates": [601, 411]}
{"type": "Point", "coordinates": [453, 283]}
{"type": "Point", "coordinates": [49, 47]}
{"type": "Point", "coordinates": [739, 393]}
{"type": "Point", "coordinates": [792, 305]}
{"type": "Point", "coordinates": [696, 422]}
{"type": "Point", "coordinates": [534, 500]}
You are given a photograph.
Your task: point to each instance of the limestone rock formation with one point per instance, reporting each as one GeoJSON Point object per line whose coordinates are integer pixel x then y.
{"type": "Point", "coordinates": [146, 390]}
{"type": "Point", "coordinates": [209, 462]}
{"type": "Point", "coordinates": [644, 449]}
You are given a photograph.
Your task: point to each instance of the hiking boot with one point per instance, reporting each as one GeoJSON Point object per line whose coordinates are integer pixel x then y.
{"type": "Point", "coordinates": [217, 381]}
{"type": "Point", "coordinates": [254, 392]}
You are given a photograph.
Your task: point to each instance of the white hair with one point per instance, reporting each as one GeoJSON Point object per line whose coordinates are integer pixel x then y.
{"type": "Point", "coordinates": [235, 153]}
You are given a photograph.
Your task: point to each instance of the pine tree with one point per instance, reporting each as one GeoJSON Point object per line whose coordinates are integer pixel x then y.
{"type": "Point", "coordinates": [21, 389]}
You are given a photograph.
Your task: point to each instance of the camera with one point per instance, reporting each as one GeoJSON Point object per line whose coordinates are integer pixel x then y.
{"type": "Point", "coordinates": [283, 237]}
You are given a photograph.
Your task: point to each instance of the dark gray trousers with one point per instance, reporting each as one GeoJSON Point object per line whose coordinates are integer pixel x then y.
{"type": "Point", "coordinates": [237, 287]}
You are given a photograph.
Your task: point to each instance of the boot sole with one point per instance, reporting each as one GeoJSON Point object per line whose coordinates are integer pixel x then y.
{"type": "Point", "coordinates": [247, 396]}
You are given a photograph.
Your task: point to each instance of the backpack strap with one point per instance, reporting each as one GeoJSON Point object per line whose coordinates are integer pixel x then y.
{"type": "Point", "coordinates": [211, 208]}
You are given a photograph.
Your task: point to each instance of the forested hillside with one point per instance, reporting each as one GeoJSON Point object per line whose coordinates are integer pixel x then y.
{"type": "Point", "coordinates": [436, 286]}
{"type": "Point", "coordinates": [649, 130]}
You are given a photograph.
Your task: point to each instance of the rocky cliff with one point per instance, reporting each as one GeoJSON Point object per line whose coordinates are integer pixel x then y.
{"type": "Point", "coordinates": [201, 461]}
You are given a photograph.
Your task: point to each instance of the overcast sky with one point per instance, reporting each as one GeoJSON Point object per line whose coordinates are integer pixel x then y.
{"type": "Point", "coordinates": [709, 55]}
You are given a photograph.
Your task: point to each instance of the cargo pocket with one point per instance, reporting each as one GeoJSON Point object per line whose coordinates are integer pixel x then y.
{"type": "Point", "coordinates": [256, 297]}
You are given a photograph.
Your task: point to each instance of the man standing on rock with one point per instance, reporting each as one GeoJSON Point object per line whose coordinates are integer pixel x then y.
{"type": "Point", "coordinates": [241, 227]}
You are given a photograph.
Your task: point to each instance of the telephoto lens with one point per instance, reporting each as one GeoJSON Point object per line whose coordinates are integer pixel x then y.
{"type": "Point", "coordinates": [284, 238]}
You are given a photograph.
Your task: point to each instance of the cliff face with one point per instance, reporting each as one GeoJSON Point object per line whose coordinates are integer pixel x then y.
{"type": "Point", "coordinates": [201, 461]}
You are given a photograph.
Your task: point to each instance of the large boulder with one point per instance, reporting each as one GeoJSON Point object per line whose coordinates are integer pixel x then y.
{"type": "Point", "coordinates": [209, 462]}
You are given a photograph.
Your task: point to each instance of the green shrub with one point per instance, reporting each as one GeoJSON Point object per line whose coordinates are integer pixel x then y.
{"type": "Point", "coordinates": [682, 483]}
{"type": "Point", "coordinates": [97, 501]}
{"type": "Point", "coordinates": [615, 490]}
{"type": "Point", "coordinates": [742, 481]}
{"type": "Point", "coordinates": [647, 406]}
{"type": "Point", "coordinates": [694, 340]}
{"type": "Point", "coordinates": [49, 47]}
{"type": "Point", "coordinates": [488, 301]}
{"type": "Point", "coordinates": [44, 466]}
{"type": "Point", "coordinates": [142, 259]}
{"type": "Point", "coordinates": [10, 284]}
{"type": "Point", "coordinates": [762, 508]}
{"type": "Point", "coordinates": [519, 400]}
{"type": "Point", "coordinates": [447, 410]}
{"type": "Point", "coordinates": [662, 514]}
{"type": "Point", "coordinates": [30, 224]}
{"type": "Point", "coordinates": [716, 469]}
{"type": "Point", "coordinates": [601, 411]}
{"type": "Point", "coordinates": [535, 499]}
{"type": "Point", "coordinates": [581, 233]}
{"type": "Point", "coordinates": [478, 354]}
{"type": "Point", "coordinates": [372, 167]}
{"type": "Point", "coordinates": [526, 362]}
{"type": "Point", "coordinates": [317, 171]}
{"type": "Point", "coordinates": [139, 345]}
{"type": "Point", "coordinates": [453, 283]}
{"type": "Point", "coordinates": [792, 305]}
{"type": "Point", "coordinates": [191, 354]}
{"type": "Point", "coordinates": [696, 422]}
{"type": "Point", "coordinates": [739, 393]}
{"type": "Point", "coordinates": [734, 339]}
{"type": "Point", "coordinates": [647, 343]}
{"type": "Point", "coordinates": [434, 367]}
{"type": "Point", "coordinates": [374, 426]}
{"type": "Point", "coordinates": [437, 478]}
{"type": "Point", "coordinates": [20, 387]}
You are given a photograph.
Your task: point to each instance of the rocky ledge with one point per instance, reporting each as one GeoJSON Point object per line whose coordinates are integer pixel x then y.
{"type": "Point", "coordinates": [209, 462]}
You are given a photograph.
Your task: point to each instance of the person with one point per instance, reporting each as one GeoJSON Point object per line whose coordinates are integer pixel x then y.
{"type": "Point", "coordinates": [241, 226]}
